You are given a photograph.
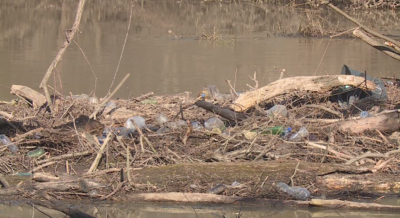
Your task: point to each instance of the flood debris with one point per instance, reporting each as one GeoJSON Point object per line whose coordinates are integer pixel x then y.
{"type": "Point", "coordinates": [293, 130]}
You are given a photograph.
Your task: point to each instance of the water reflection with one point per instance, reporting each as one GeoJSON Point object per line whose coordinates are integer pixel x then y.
{"type": "Point", "coordinates": [196, 211]}
{"type": "Point", "coordinates": [32, 31]}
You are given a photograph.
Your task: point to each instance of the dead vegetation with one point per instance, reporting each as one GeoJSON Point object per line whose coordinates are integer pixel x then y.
{"type": "Point", "coordinates": [77, 160]}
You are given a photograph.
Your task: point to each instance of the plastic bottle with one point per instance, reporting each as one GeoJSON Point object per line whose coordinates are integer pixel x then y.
{"type": "Point", "coordinates": [278, 110]}
{"type": "Point", "coordinates": [286, 133]}
{"type": "Point", "coordinates": [110, 106]}
{"type": "Point", "coordinates": [119, 131]}
{"type": "Point", "coordinates": [298, 193]}
{"type": "Point", "coordinates": [218, 189]}
{"type": "Point", "coordinates": [176, 126]}
{"type": "Point", "coordinates": [276, 130]}
{"type": "Point", "coordinates": [161, 119]}
{"type": "Point", "coordinates": [93, 100]}
{"type": "Point", "coordinates": [214, 123]}
{"type": "Point", "coordinates": [365, 114]}
{"type": "Point", "coordinates": [36, 153]}
{"type": "Point", "coordinates": [140, 122]}
{"type": "Point", "coordinates": [6, 141]}
{"type": "Point", "coordinates": [196, 125]}
{"type": "Point", "coordinates": [302, 133]}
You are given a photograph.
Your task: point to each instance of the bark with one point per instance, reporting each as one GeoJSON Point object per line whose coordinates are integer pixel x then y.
{"type": "Point", "coordinates": [223, 112]}
{"type": "Point", "coordinates": [37, 99]}
{"type": "Point", "coordinates": [320, 84]}
{"type": "Point", "coordinates": [363, 26]}
{"type": "Point", "coordinates": [372, 42]}
{"type": "Point", "coordinates": [352, 205]}
{"type": "Point", "coordinates": [384, 122]}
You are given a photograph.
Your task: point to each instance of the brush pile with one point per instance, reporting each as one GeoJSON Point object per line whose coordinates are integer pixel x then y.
{"type": "Point", "coordinates": [167, 143]}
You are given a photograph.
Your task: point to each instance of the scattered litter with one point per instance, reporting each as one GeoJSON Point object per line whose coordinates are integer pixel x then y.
{"type": "Point", "coordinates": [299, 193]}
{"type": "Point", "coordinates": [6, 141]}
{"type": "Point", "coordinates": [218, 189]}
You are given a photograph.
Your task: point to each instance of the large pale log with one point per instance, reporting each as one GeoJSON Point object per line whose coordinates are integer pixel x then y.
{"type": "Point", "coordinates": [37, 99]}
{"type": "Point", "coordinates": [352, 205]}
{"type": "Point", "coordinates": [320, 84]}
{"type": "Point", "coordinates": [384, 122]}
{"type": "Point", "coordinates": [364, 183]}
{"type": "Point", "coordinates": [183, 197]}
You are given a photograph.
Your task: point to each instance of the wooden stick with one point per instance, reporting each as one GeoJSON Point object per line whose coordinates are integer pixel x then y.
{"type": "Point", "coordinates": [294, 173]}
{"type": "Point", "coordinates": [69, 36]}
{"type": "Point", "coordinates": [105, 100]}
{"type": "Point", "coordinates": [315, 145]}
{"type": "Point", "coordinates": [366, 155]}
{"type": "Point", "coordinates": [42, 166]}
{"type": "Point", "coordinates": [142, 136]}
{"type": "Point", "coordinates": [99, 153]}
{"type": "Point", "coordinates": [84, 153]}
{"type": "Point", "coordinates": [114, 191]}
{"type": "Point", "coordinates": [4, 182]}
{"type": "Point", "coordinates": [325, 109]}
{"type": "Point", "coordinates": [233, 91]}
{"type": "Point", "coordinates": [5, 114]}
{"type": "Point", "coordinates": [128, 167]}
{"type": "Point", "coordinates": [381, 165]}
{"type": "Point", "coordinates": [32, 132]}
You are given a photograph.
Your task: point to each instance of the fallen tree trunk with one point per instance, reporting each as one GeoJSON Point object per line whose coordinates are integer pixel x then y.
{"type": "Point", "coordinates": [352, 205]}
{"type": "Point", "coordinates": [384, 122]}
{"type": "Point", "coordinates": [360, 34]}
{"type": "Point", "coordinates": [320, 84]}
{"type": "Point", "coordinates": [223, 112]}
{"type": "Point", "coordinates": [361, 25]}
{"type": "Point", "coordinates": [183, 197]}
{"type": "Point", "coordinates": [212, 198]}
{"type": "Point", "coordinates": [359, 183]}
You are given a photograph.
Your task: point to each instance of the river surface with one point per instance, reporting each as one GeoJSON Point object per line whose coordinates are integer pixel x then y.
{"type": "Point", "coordinates": [250, 38]}
{"type": "Point", "coordinates": [164, 54]}
{"type": "Point", "coordinates": [170, 210]}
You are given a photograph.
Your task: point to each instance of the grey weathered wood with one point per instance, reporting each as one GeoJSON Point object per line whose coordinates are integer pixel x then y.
{"type": "Point", "coordinates": [37, 99]}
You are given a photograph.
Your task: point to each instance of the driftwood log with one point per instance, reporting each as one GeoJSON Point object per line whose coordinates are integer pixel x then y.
{"type": "Point", "coordinates": [372, 42]}
{"type": "Point", "coordinates": [223, 112]}
{"type": "Point", "coordinates": [64, 184]}
{"type": "Point", "coordinates": [37, 99]}
{"type": "Point", "coordinates": [370, 31]}
{"type": "Point", "coordinates": [212, 198]}
{"type": "Point", "coordinates": [384, 122]}
{"type": "Point", "coordinates": [320, 84]}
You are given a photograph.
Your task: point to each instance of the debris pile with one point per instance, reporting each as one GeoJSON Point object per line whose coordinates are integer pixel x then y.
{"type": "Point", "coordinates": [171, 143]}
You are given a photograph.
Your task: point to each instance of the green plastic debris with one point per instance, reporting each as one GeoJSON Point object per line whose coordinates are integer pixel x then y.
{"type": "Point", "coordinates": [276, 130]}
{"type": "Point", "coordinates": [36, 153]}
{"type": "Point", "coordinates": [149, 101]}
{"type": "Point", "coordinates": [24, 174]}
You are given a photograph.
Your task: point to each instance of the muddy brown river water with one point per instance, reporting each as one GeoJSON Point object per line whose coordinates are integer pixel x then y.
{"type": "Point", "coordinates": [252, 38]}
